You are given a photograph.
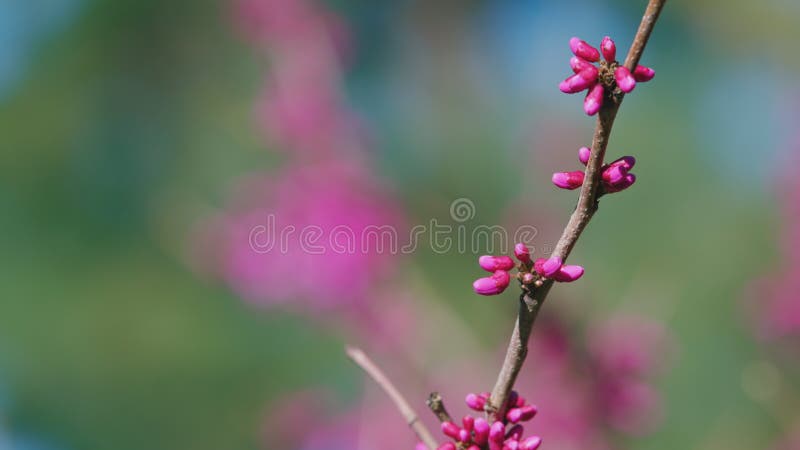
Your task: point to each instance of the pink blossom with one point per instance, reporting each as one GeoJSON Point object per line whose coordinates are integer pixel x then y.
{"type": "Point", "coordinates": [625, 79]}
{"type": "Point", "coordinates": [522, 253]}
{"type": "Point", "coordinates": [642, 74]}
{"type": "Point", "coordinates": [594, 100]}
{"type": "Point", "coordinates": [569, 180]}
{"type": "Point", "coordinates": [609, 49]}
{"type": "Point", "coordinates": [493, 285]}
{"type": "Point", "coordinates": [493, 263]}
{"type": "Point", "coordinates": [596, 78]}
{"type": "Point", "coordinates": [583, 50]}
{"type": "Point", "coordinates": [615, 176]}
{"type": "Point", "coordinates": [584, 153]}
{"type": "Point", "coordinates": [554, 268]}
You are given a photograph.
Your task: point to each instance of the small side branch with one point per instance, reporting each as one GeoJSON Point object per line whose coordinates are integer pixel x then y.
{"type": "Point", "coordinates": [436, 404]}
{"type": "Point", "coordinates": [411, 417]}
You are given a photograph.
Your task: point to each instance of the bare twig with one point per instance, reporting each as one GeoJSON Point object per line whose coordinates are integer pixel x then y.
{"type": "Point", "coordinates": [531, 301]}
{"type": "Point", "coordinates": [411, 417]}
{"type": "Point", "coordinates": [436, 404]}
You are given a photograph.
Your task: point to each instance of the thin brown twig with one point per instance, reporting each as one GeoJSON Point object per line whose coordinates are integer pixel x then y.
{"type": "Point", "coordinates": [411, 417]}
{"type": "Point", "coordinates": [531, 301]}
{"type": "Point", "coordinates": [436, 405]}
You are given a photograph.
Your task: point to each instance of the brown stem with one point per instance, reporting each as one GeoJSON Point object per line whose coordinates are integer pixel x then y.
{"type": "Point", "coordinates": [436, 404]}
{"type": "Point", "coordinates": [411, 417]}
{"type": "Point", "coordinates": [531, 301]}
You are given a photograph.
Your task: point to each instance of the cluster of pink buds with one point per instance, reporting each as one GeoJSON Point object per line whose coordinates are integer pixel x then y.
{"type": "Point", "coordinates": [615, 176]}
{"type": "Point", "coordinates": [477, 434]}
{"type": "Point", "coordinates": [500, 279]}
{"type": "Point", "coordinates": [499, 266]}
{"type": "Point", "coordinates": [597, 78]}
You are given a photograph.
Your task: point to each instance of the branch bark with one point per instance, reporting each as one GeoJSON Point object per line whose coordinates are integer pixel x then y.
{"type": "Point", "coordinates": [436, 405]}
{"type": "Point", "coordinates": [411, 417]}
{"type": "Point", "coordinates": [531, 301]}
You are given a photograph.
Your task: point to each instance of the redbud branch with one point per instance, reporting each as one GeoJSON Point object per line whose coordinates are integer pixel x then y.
{"type": "Point", "coordinates": [531, 300]}
{"type": "Point", "coordinates": [411, 417]}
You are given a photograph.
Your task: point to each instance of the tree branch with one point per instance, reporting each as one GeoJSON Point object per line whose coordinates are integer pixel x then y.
{"type": "Point", "coordinates": [411, 417]}
{"type": "Point", "coordinates": [531, 301]}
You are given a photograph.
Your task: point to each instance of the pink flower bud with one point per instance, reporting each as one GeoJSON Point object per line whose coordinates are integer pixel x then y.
{"type": "Point", "coordinates": [528, 411]}
{"type": "Point", "coordinates": [594, 100]}
{"type": "Point", "coordinates": [468, 422]}
{"type": "Point", "coordinates": [513, 396]}
{"type": "Point", "coordinates": [520, 401]}
{"type": "Point", "coordinates": [567, 274]}
{"type": "Point", "coordinates": [514, 415]}
{"type": "Point", "coordinates": [583, 50]}
{"type": "Point", "coordinates": [614, 174]}
{"type": "Point", "coordinates": [481, 431]}
{"type": "Point", "coordinates": [568, 180]}
{"type": "Point", "coordinates": [522, 253]}
{"type": "Point", "coordinates": [625, 80]}
{"type": "Point", "coordinates": [580, 81]}
{"type": "Point", "coordinates": [450, 430]}
{"type": "Point", "coordinates": [464, 435]}
{"type": "Point", "coordinates": [447, 446]}
{"type": "Point", "coordinates": [531, 443]}
{"type": "Point", "coordinates": [578, 64]}
{"type": "Point", "coordinates": [642, 74]}
{"type": "Point", "coordinates": [609, 49]}
{"type": "Point", "coordinates": [475, 402]}
{"type": "Point", "coordinates": [622, 185]}
{"type": "Point", "coordinates": [626, 162]}
{"type": "Point", "coordinates": [538, 266]}
{"type": "Point", "coordinates": [492, 285]}
{"type": "Point", "coordinates": [583, 155]}
{"type": "Point", "coordinates": [515, 432]}
{"type": "Point", "coordinates": [511, 444]}
{"type": "Point", "coordinates": [527, 278]}
{"type": "Point", "coordinates": [551, 266]}
{"type": "Point", "coordinates": [494, 263]}
{"type": "Point", "coordinates": [497, 432]}
{"type": "Point", "coordinates": [473, 447]}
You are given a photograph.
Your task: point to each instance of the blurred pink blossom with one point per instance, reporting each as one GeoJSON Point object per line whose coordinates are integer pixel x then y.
{"type": "Point", "coordinates": [625, 351]}
{"type": "Point", "coordinates": [773, 302]}
{"type": "Point", "coordinates": [310, 421]}
{"type": "Point", "coordinates": [320, 275]}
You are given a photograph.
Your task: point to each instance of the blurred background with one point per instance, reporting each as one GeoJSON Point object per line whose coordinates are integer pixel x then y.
{"type": "Point", "coordinates": [142, 140]}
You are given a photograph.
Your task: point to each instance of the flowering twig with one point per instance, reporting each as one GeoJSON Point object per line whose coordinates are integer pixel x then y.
{"type": "Point", "coordinates": [532, 297]}
{"type": "Point", "coordinates": [411, 417]}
